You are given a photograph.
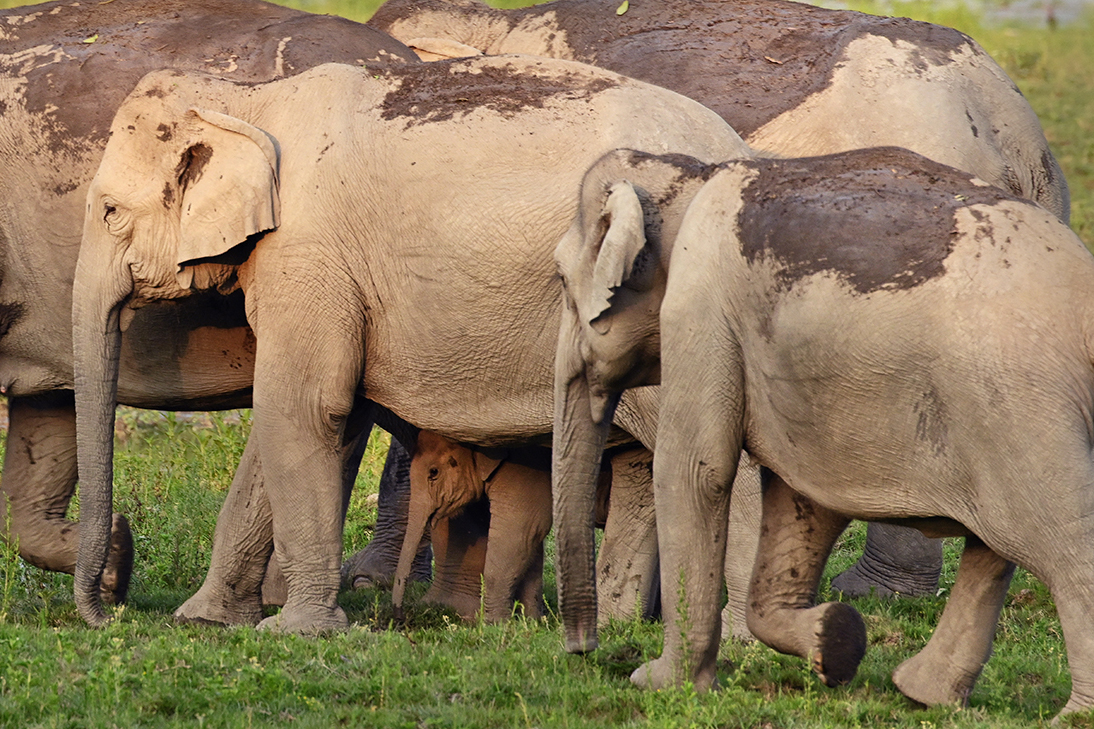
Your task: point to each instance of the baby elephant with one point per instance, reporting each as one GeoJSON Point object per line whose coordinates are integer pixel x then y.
{"type": "Point", "coordinates": [891, 339]}
{"type": "Point", "coordinates": [445, 478]}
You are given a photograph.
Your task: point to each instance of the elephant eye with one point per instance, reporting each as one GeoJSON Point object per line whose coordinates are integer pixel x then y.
{"type": "Point", "coordinates": [109, 211]}
{"type": "Point", "coordinates": [433, 473]}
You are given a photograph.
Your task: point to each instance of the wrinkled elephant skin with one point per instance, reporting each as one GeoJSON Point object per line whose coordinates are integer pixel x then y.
{"type": "Point", "coordinates": [819, 68]}
{"type": "Point", "coordinates": [480, 157]}
{"type": "Point", "coordinates": [64, 70]}
{"type": "Point", "coordinates": [891, 339]}
{"type": "Point", "coordinates": [904, 83]}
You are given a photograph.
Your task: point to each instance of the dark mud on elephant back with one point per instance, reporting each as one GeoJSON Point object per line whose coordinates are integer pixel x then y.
{"type": "Point", "coordinates": [773, 55]}
{"type": "Point", "coordinates": [901, 205]}
{"type": "Point", "coordinates": [443, 90]}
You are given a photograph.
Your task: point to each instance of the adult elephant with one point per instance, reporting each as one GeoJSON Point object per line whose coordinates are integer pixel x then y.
{"type": "Point", "coordinates": [793, 80]}
{"type": "Point", "coordinates": [64, 70]}
{"type": "Point", "coordinates": [400, 246]}
{"type": "Point", "coordinates": [889, 337]}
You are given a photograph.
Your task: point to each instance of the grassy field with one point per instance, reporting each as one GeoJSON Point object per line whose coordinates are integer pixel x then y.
{"type": "Point", "coordinates": [172, 472]}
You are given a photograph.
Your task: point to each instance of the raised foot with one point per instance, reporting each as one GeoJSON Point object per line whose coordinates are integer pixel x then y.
{"type": "Point", "coordinates": [934, 682]}
{"type": "Point", "coordinates": [840, 643]}
{"type": "Point", "coordinates": [119, 563]}
{"type": "Point", "coordinates": [306, 621]}
{"type": "Point", "coordinates": [206, 608]}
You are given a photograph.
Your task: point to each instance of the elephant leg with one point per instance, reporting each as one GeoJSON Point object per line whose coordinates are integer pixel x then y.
{"type": "Point", "coordinates": [39, 481]}
{"type": "Point", "coordinates": [242, 545]}
{"type": "Point", "coordinates": [897, 560]}
{"type": "Point", "coordinates": [375, 564]}
{"type": "Point", "coordinates": [945, 671]}
{"type": "Point", "coordinates": [460, 551]}
{"type": "Point", "coordinates": [520, 517]}
{"type": "Point", "coordinates": [742, 541]}
{"type": "Point", "coordinates": [627, 567]}
{"type": "Point", "coordinates": [274, 588]}
{"type": "Point", "coordinates": [304, 488]}
{"type": "Point", "coordinates": [796, 537]}
{"type": "Point", "coordinates": [530, 588]}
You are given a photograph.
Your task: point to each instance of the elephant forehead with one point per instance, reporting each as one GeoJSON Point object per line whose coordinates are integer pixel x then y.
{"type": "Point", "coordinates": [878, 219]}
{"type": "Point", "coordinates": [445, 90]}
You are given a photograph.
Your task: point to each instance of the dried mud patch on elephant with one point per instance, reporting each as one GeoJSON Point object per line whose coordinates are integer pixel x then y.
{"type": "Point", "coordinates": [444, 90]}
{"type": "Point", "coordinates": [930, 45]}
{"type": "Point", "coordinates": [749, 61]}
{"type": "Point", "coordinates": [877, 219]}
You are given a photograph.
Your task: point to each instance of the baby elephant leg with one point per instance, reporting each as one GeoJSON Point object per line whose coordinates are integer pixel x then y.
{"type": "Point", "coordinates": [796, 537]}
{"type": "Point", "coordinates": [946, 669]}
{"type": "Point", "coordinates": [520, 517]}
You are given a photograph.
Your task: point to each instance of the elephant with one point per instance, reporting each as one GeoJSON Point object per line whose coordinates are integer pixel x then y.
{"type": "Point", "coordinates": [889, 338]}
{"type": "Point", "coordinates": [416, 216]}
{"type": "Point", "coordinates": [446, 477]}
{"type": "Point", "coordinates": [64, 70]}
{"type": "Point", "coordinates": [789, 78]}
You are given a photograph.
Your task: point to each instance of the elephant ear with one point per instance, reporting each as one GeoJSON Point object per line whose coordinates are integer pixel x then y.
{"type": "Point", "coordinates": [228, 179]}
{"type": "Point", "coordinates": [623, 258]}
{"type": "Point", "coordinates": [488, 461]}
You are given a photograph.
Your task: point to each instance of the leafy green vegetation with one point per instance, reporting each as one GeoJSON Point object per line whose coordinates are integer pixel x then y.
{"type": "Point", "coordinates": [173, 470]}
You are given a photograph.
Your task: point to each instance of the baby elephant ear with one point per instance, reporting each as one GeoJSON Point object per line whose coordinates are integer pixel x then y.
{"type": "Point", "coordinates": [619, 260]}
{"type": "Point", "coordinates": [228, 179]}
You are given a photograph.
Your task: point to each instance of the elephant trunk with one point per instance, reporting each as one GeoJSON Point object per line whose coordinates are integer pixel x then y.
{"type": "Point", "coordinates": [97, 302]}
{"type": "Point", "coordinates": [578, 447]}
{"type": "Point", "coordinates": [417, 520]}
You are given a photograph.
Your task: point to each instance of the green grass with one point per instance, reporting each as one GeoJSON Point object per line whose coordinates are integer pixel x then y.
{"type": "Point", "coordinates": [144, 671]}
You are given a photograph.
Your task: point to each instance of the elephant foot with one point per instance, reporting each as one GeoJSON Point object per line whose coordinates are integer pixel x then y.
{"type": "Point", "coordinates": [897, 561]}
{"type": "Point", "coordinates": [660, 673]}
{"type": "Point", "coordinates": [308, 620]}
{"type": "Point", "coordinates": [466, 605]}
{"type": "Point", "coordinates": [376, 568]}
{"type": "Point", "coordinates": [840, 643]}
{"type": "Point", "coordinates": [1075, 705]}
{"type": "Point", "coordinates": [932, 684]}
{"type": "Point", "coordinates": [206, 608]}
{"type": "Point", "coordinates": [119, 563]}
{"type": "Point", "coordinates": [735, 625]}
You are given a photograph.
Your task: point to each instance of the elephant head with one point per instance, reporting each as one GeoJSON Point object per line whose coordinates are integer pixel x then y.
{"type": "Point", "coordinates": [178, 188]}
{"type": "Point", "coordinates": [613, 264]}
{"type": "Point", "coordinates": [444, 478]}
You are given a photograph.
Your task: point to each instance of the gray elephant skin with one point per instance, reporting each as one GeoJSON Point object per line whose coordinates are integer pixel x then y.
{"type": "Point", "coordinates": [64, 70]}
{"type": "Point", "coordinates": [422, 210]}
{"type": "Point", "coordinates": [793, 80]}
{"type": "Point", "coordinates": [890, 338]}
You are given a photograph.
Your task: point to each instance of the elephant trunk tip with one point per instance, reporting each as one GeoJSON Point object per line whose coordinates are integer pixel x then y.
{"type": "Point", "coordinates": [582, 640]}
{"type": "Point", "coordinates": [91, 610]}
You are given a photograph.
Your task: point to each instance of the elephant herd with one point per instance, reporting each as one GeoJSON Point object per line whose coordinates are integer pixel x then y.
{"type": "Point", "coordinates": [816, 259]}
